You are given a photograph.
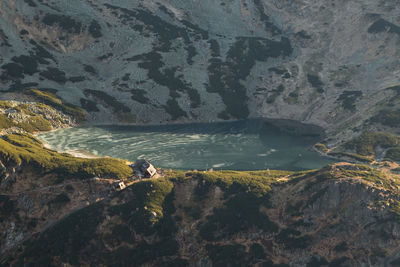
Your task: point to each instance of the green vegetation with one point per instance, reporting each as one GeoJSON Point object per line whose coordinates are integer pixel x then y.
{"type": "Point", "coordinates": [32, 123]}
{"type": "Point", "coordinates": [74, 237]}
{"type": "Point", "coordinates": [366, 144]}
{"type": "Point", "coordinates": [139, 95]}
{"type": "Point", "coordinates": [142, 227]}
{"type": "Point", "coordinates": [395, 208]}
{"type": "Point", "coordinates": [52, 100]}
{"type": "Point", "coordinates": [54, 74]}
{"type": "Point", "coordinates": [254, 182]}
{"type": "Point", "coordinates": [64, 22]}
{"type": "Point", "coordinates": [65, 239]}
{"type": "Point", "coordinates": [247, 192]}
{"type": "Point", "coordinates": [316, 82]}
{"type": "Point", "coordinates": [108, 99]}
{"type": "Point", "coordinates": [5, 122]}
{"type": "Point", "coordinates": [25, 149]}
{"type": "Point", "coordinates": [95, 29]}
{"type": "Point", "coordinates": [364, 172]}
{"type": "Point", "coordinates": [150, 196]}
{"type": "Point", "coordinates": [349, 98]}
{"type": "Point", "coordinates": [35, 124]}
{"type": "Point", "coordinates": [321, 147]}
{"type": "Point", "coordinates": [241, 213]}
{"type": "Point", "coordinates": [365, 159]}
{"type": "Point", "coordinates": [172, 107]}
{"type": "Point", "coordinates": [387, 117]}
{"type": "Point", "coordinates": [147, 213]}
{"type": "Point", "coordinates": [89, 105]}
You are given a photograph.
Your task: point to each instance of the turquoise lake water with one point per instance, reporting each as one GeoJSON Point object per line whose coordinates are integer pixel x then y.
{"type": "Point", "coordinates": [241, 145]}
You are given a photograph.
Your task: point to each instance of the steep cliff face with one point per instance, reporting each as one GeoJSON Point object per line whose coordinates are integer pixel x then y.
{"type": "Point", "coordinates": [342, 215]}
{"type": "Point", "coordinates": [328, 63]}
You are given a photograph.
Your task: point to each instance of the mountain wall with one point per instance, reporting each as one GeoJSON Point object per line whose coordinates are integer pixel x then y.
{"type": "Point", "coordinates": [329, 63]}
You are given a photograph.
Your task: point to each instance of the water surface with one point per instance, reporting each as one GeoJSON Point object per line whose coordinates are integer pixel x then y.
{"type": "Point", "coordinates": [241, 145]}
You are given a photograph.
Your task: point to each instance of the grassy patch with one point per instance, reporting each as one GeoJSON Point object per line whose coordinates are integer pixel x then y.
{"type": "Point", "coordinates": [366, 173]}
{"type": "Point", "coordinates": [366, 143]}
{"type": "Point", "coordinates": [256, 182]}
{"type": "Point", "coordinates": [53, 100]}
{"type": "Point", "coordinates": [35, 124]}
{"type": "Point", "coordinates": [5, 122]}
{"type": "Point", "coordinates": [248, 191]}
{"type": "Point", "coordinates": [365, 159]}
{"type": "Point", "coordinates": [32, 123]}
{"type": "Point", "coordinates": [150, 196]}
{"type": "Point", "coordinates": [27, 150]}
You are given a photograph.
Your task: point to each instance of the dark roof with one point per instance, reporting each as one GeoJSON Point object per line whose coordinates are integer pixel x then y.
{"type": "Point", "coordinates": [141, 163]}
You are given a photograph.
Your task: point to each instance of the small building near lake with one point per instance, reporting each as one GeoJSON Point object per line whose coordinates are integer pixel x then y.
{"type": "Point", "coordinates": [143, 169]}
{"type": "Point", "coordinates": [120, 185]}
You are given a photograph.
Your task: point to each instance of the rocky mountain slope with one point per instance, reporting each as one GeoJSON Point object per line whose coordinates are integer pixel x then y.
{"type": "Point", "coordinates": [333, 64]}
{"type": "Point", "coordinates": [329, 63]}
{"type": "Point", "coordinates": [59, 210]}
{"type": "Point", "coordinates": [39, 186]}
{"type": "Point", "coordinates": [341, 215]}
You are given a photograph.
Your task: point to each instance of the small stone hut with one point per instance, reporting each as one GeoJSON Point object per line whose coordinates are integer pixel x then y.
{"type": "Point", "coordinates": [143, 169]}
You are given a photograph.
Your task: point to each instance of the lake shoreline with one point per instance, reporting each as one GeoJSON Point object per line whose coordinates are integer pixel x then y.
{"type": "Point", "coordinates": [236, 145]}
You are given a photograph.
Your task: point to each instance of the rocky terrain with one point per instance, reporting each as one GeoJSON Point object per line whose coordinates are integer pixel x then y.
{"type": "Point", "coordinates": [329, 63]}
{"type": "Point", "coordinates": [59, 210]}
{"type": "Point", "coordinates": [341, 215]}
{"type": "Point", "coordinates": [333, 64]}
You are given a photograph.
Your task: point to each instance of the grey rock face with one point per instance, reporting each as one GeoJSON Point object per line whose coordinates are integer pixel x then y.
{"type": "Point", "coordinates": [323, 62]}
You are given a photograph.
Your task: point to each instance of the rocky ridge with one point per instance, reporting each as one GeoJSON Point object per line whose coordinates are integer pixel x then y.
{"type": "Point", "coordinates": [342, 215]}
